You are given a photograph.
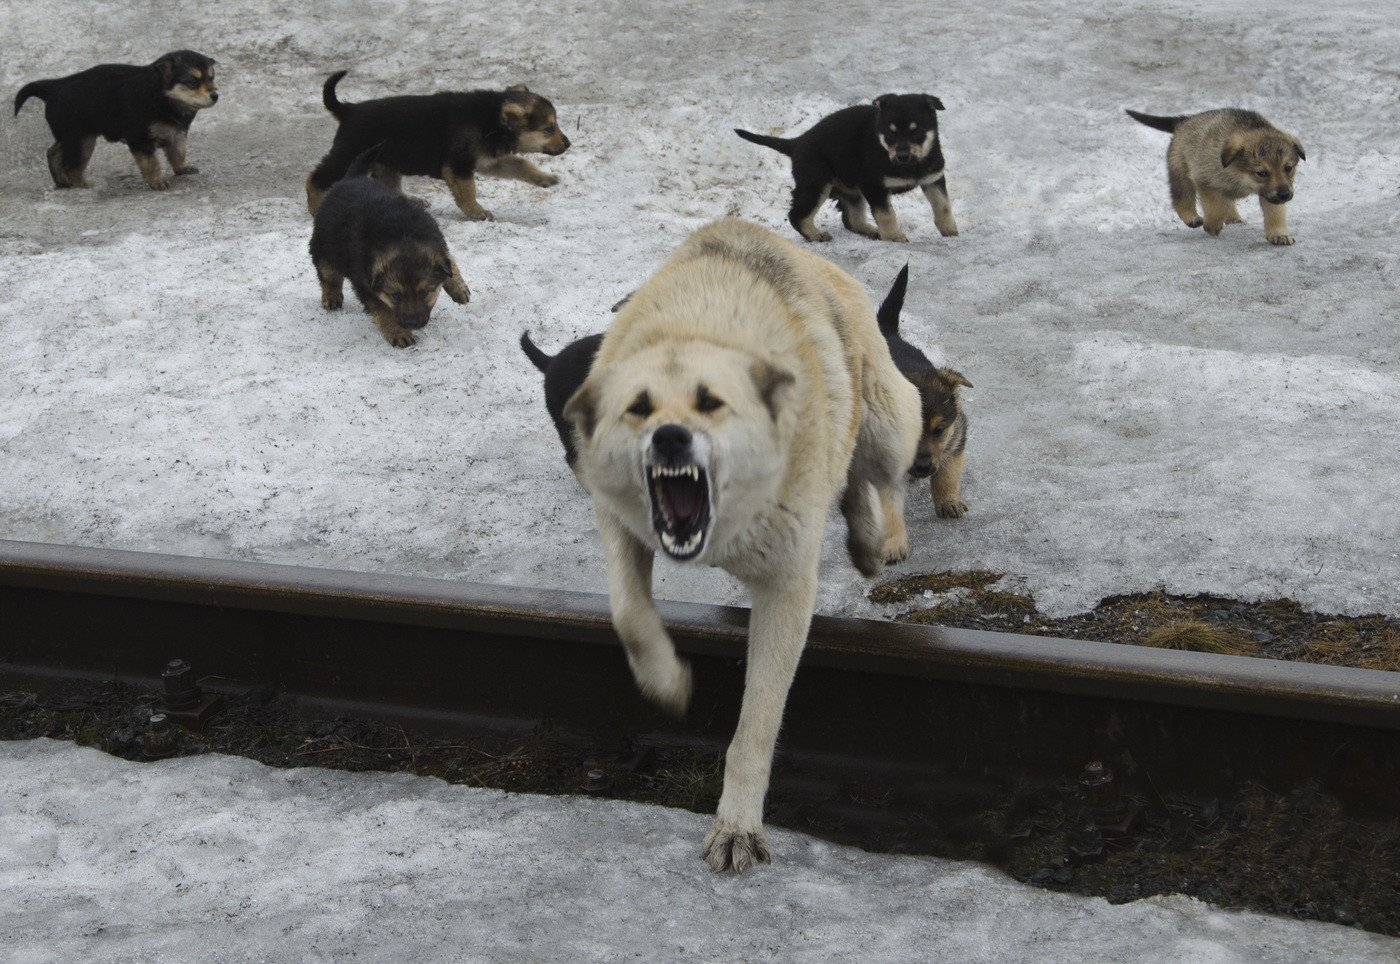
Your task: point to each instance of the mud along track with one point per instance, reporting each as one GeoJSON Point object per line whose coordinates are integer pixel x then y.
{"type": "Point", "coordinates": [892, 702]}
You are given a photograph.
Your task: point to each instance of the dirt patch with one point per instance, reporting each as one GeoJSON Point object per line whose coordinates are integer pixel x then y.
{"type": "Point", "coordinates": [1297, 853]}
{"type": "Point", "coordinates": [1268, 629]}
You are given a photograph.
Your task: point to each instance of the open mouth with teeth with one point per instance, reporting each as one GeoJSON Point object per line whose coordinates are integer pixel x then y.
{"type": "Point", "coordinates": [680, 508]}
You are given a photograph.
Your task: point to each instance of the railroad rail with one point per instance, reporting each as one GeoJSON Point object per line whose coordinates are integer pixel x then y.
{"type": "Point", "coordinates": [874, 696]}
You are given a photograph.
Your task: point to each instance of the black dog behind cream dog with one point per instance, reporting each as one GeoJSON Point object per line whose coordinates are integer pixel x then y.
{"type": "Point", "coordinates": [389, 249]}
{"type": "Point", "coordinates": [866, 154]}
{"type": "Point", "coordinates": [147, 107]}
{"type": "Point", "coordinates": [563, 374]}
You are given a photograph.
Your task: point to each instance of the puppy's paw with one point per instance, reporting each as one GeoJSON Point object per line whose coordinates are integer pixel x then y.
{"type": "Point", "coordinates": [187, 169]}
{"type": "Point", "coordinates": [422, 202]}
{"type": "Point", "coordinates": [1234, 219]}
{"type": "Point", "coordinates": [480, 214]}
{"type": "Point", "coordinates": [404, 339]}
{"type": "Point", "coordinates": [817, 236]}
{"type": "Point", "coordinates": [457, 290]}
{"type": "Point", "coordinates": [949, 230]}
{"type": "Point", "coordinates": [864, 230]}
{"type": "Point", "coordinates": [951, 509]}
{"type": "Point", "coordinates": [1280, 238]}
{"type": "Point", "coordinates": [160, 185]}
{"type": "Point", "coordinates": [895, 235]}
{"type": "Point", "coordinates": [546, 180]}
{"type": "Point", "coordinates": [1213, 229]}
{"type": "Point", "coordinates": [332, 302]}
{"type": "Point", "coordinates": [1192, 222]}
{"type": "Point", "coordinates": [730, 847]}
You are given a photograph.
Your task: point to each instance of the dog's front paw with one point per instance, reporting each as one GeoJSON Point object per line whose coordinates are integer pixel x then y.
{"type": "Point", "coordinates": [404, 339]}
{"type": "Point", "coordinates": [896, 549]}
{"type": "Point", "coordinates": [948, 229]}
{"type": "Point", "coordinates": [187, 169]}
{"type": "Point", "coordinates": [332, 302]}
{"type": "Point", "coordinates": [546, 180]}
{"type": "Point", "coordinates": [895, 235]}
{"type": "Point", "coordinates": [160, 185]}
{"type": "Point", "coordinates": [667, 686]}
{"type": "Point", "coordinates": [1280, 238]}
{"type": "Point", "coordinates": [817, 236]}
{"type": "Point", "coordinates": [457, 290]}
{"type": "Point", "coordinates": [952, 509]}
{"type": "Point", "coordinates": [729, 847]}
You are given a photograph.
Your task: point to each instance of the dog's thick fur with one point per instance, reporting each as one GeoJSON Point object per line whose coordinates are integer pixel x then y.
{"type": "Point", "coordinates": [452, 136]}
{"type": "Point", "coordinates": [865, 154]}
{"type": "Point", "coordinates": [563, 374]}
{"type": "Point", "coordinates": [739, 391]}
{"type": "Point", "coordinates": [389, 249]}
{"type": "Point", "coordinates": [148, 107]}
{"type": "Point", "coordinates": [1221, 156]}
{"type": "Point", "coordinates": [943, 438]}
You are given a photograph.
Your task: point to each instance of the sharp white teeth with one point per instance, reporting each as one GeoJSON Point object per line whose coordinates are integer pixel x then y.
{"type": "Point", "coordinates": [657, 471]}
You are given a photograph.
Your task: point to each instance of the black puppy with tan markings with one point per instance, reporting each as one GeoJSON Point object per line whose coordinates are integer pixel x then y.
{"type": "Point", "coordinates": [1222, 156]}
{"type": "Point", "coordinates": [452, 136]}
{"type": "Point", "coordinates": [943, 438]}
{"type": "Point", "coordinates": [389, 249]}
{"type": "Point", "coordinates": [148, 107]}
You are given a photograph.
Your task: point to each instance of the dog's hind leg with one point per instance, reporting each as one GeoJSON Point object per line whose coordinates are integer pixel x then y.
{"type": "Point", "coordinates": [778, 624]}
{"type": "Point", "coordinates": [1215, 210]}
{"type": "Point", "coordinates": [1183, 192]}
{"type": "Point", "coordinates": [937, 194]}
{"type": "Point", "coordinates": [68, 160]}
{"type": "Point", "coordinates": [393, 180]}
{"type": "Point", "coordinates": [332, 286]}
{"type": "Point", "coordinates": [517, 168]}
{"type": "Point", "coordinates": [56, 168]}
{"type": "Point", "coordinates": [853, 212]}
{"type": "Point", "coordinates": [807, 200]}
{"type": "Point", "coordinates": [662, 677]}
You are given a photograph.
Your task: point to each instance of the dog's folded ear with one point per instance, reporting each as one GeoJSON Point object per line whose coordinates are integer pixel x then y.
{"type": "Point", "coordinates": [514, 114]}
{"type": "Point", "coordinates": [771, 382]}
{"type": "Point", "coordinates": [1299, 148]}
{"type": "Point", "coordinates": [1234, 147]}
{"type": "Point", "coordinates": [933, 102]}
{"type": "Point", "coordinates": [581, 410]}
{"type": "Point", "coordinates": [518, 87]}
{"type": "Point", "coordinates": [166, 66]}
{"type": "Point", "coordinates": [882, 100]}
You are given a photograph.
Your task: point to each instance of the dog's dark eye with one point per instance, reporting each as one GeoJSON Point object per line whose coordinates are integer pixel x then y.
{"type": "Point", "coordinates": [1261, 173]}
{"type": "Point", "coordinates": [549, 128]}
{"type": "Point", "coordinates": [935, 432]}
{"type": "Point", "coordinates": [641, 407]}
{"type": "Point", "coordinates": [191, 84]}
{"type": "Point", "coordinates": [1288, 168]}
{"type": "Point", "coordinates": [705, 402]}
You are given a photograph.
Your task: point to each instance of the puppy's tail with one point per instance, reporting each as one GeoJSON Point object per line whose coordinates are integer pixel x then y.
{"type": "Point", "coordinates": [328, 97]}
{"type": "Point", "coordinates": [1168, 124]}
{"type": "Point", "coordinates": [537, 357]}
{"type": "Point", "coordinates": [37, 88]}
{"type": "Point", "coordinates": [363, 164]}
{"type": "Point", "coordinates": [888, 315]}
{"type": "Point", "coordinates": [783, 145]}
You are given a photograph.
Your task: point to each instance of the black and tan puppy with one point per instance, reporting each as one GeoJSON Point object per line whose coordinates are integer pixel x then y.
{"type": "Point", "coordinates": [147, 107]}
{"type": "Point", "coordinates": [865, 154]}
{"type": "Point", "coordinates": [943, 438]}
{"type": "Point", "coordinates": [1222, 156]}
{"type": "Point", "coordinates": [452, 136]}
{"type": "Point", "coordinates": [563, 374]}
{"type": "Point", "coordinates": [389, 249]}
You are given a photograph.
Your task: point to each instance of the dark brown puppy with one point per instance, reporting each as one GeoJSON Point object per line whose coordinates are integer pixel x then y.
{"type": "Point", "coordinates": [563, 374]}
{"type": "Point", "coordinates": [939, 457]}
{"type": "Point", "coordinates": [147, 107]}
{"type": "Point", "coordinates": [452, 136]}
{"type": "Point", "coordinates": [389, 249]}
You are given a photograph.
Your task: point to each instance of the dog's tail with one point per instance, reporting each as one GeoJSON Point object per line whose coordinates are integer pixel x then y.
{"type": "Point", "coordinates": [888, 315]}
{"type": "Point", "coordinates": [36, 88]}
{"type": "Point", "coordinates": [328, 97]}
{"type": "Point", "coordinates": [1168, 124]}
{"type": "Point", "coordinates": [537, 357]}
{"type": "Point", "coordinates": [783, 145]}
{"type": "Point", "coordinates": [363, 164]}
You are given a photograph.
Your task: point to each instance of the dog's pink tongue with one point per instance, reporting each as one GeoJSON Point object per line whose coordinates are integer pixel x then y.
{"type": "Point", "coordinates": [683, 497]}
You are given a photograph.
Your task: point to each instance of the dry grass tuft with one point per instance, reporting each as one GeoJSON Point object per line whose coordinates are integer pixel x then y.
{"type": "Point", "coordinates": [1194, 636]}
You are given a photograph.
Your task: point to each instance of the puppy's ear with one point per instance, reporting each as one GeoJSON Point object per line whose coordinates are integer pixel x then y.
{"type": "Point", "coordinates": [1299, 148]}
{"type": "Point", "coordinates": [581, 410]}
{"type": "Point", "coordinates": [955, 377]}
{"type": "Point", "coordinates": [771, 382]}
{"type": "Point", "coordinates": [933, 102]}
{"type": "Point", "coordinates": [514, 115]}
{"type": "Point", "coordinates": [376, 281]}
{"type": "Point", "coordinates": [882, 100]}
{"type": "Point", "coordinates": [166, 67]}
{"type": "Point", "coordinates": [518, 87]}
{"type": "Point", "coordinates": [1234, 147]}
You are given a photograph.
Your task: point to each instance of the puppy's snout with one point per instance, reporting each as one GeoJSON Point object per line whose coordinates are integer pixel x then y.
{"type": "Point", "coordinates": [413, 321]}
{"type": "Point", "coordinates": [1281, 195]}
{"type": "Point", "coordinates": [671, 443]}
{"type": "Point", "coordinates": [213, 96]}
{"type": "Point", "coordinates": [921, 469]}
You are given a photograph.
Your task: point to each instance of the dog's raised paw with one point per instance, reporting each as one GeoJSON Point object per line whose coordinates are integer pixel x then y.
{"type": "Point", "coordinates": [729, 848]}
{"type": "Point", "coordinates": [457, 291]}
{"type": "Point", "coordinates": [952, 509]}
{"type": "Point", "coordinates": [668, 689]}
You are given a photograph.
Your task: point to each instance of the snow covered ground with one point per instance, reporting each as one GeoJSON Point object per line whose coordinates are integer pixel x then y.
{"type": "Point", "coordinates": [220, 858]}
{"type": "Point", "coordinates": [1154, 408]}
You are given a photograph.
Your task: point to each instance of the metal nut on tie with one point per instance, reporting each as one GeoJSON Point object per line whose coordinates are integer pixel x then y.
{"type": "Point", "coordinates": [159, 738]}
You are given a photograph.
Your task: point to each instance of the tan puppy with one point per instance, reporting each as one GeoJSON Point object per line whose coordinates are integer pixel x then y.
{"type": "Point", "coordinates": [739, 391]}
{"type": "Point", "coordinates": [1222, 156]}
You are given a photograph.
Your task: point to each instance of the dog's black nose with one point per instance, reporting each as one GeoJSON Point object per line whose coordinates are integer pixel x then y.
{"type": "Point", "coordinates": [921, 469]}
{"type": "Point", "coordinates": [567, 142]}
{"type": "Point", "coordinates": [671, 443]}
{"type": "Point", "coordinates": [213, 97]}
{"type": "Point", "coordinates": [1283, 195]}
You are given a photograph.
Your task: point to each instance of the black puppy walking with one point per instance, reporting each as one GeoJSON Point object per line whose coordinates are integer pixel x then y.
{"type": "Point", "coordinates": [943, 438]}
{"type": "Point", "coordinates": [563, 374]}
{"type": "Point", "coordinates": [865, 154]}
{"type": "Point", "coordinates": [389, 249]}
{"type": "Point", "coordinates": [147, 107]}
